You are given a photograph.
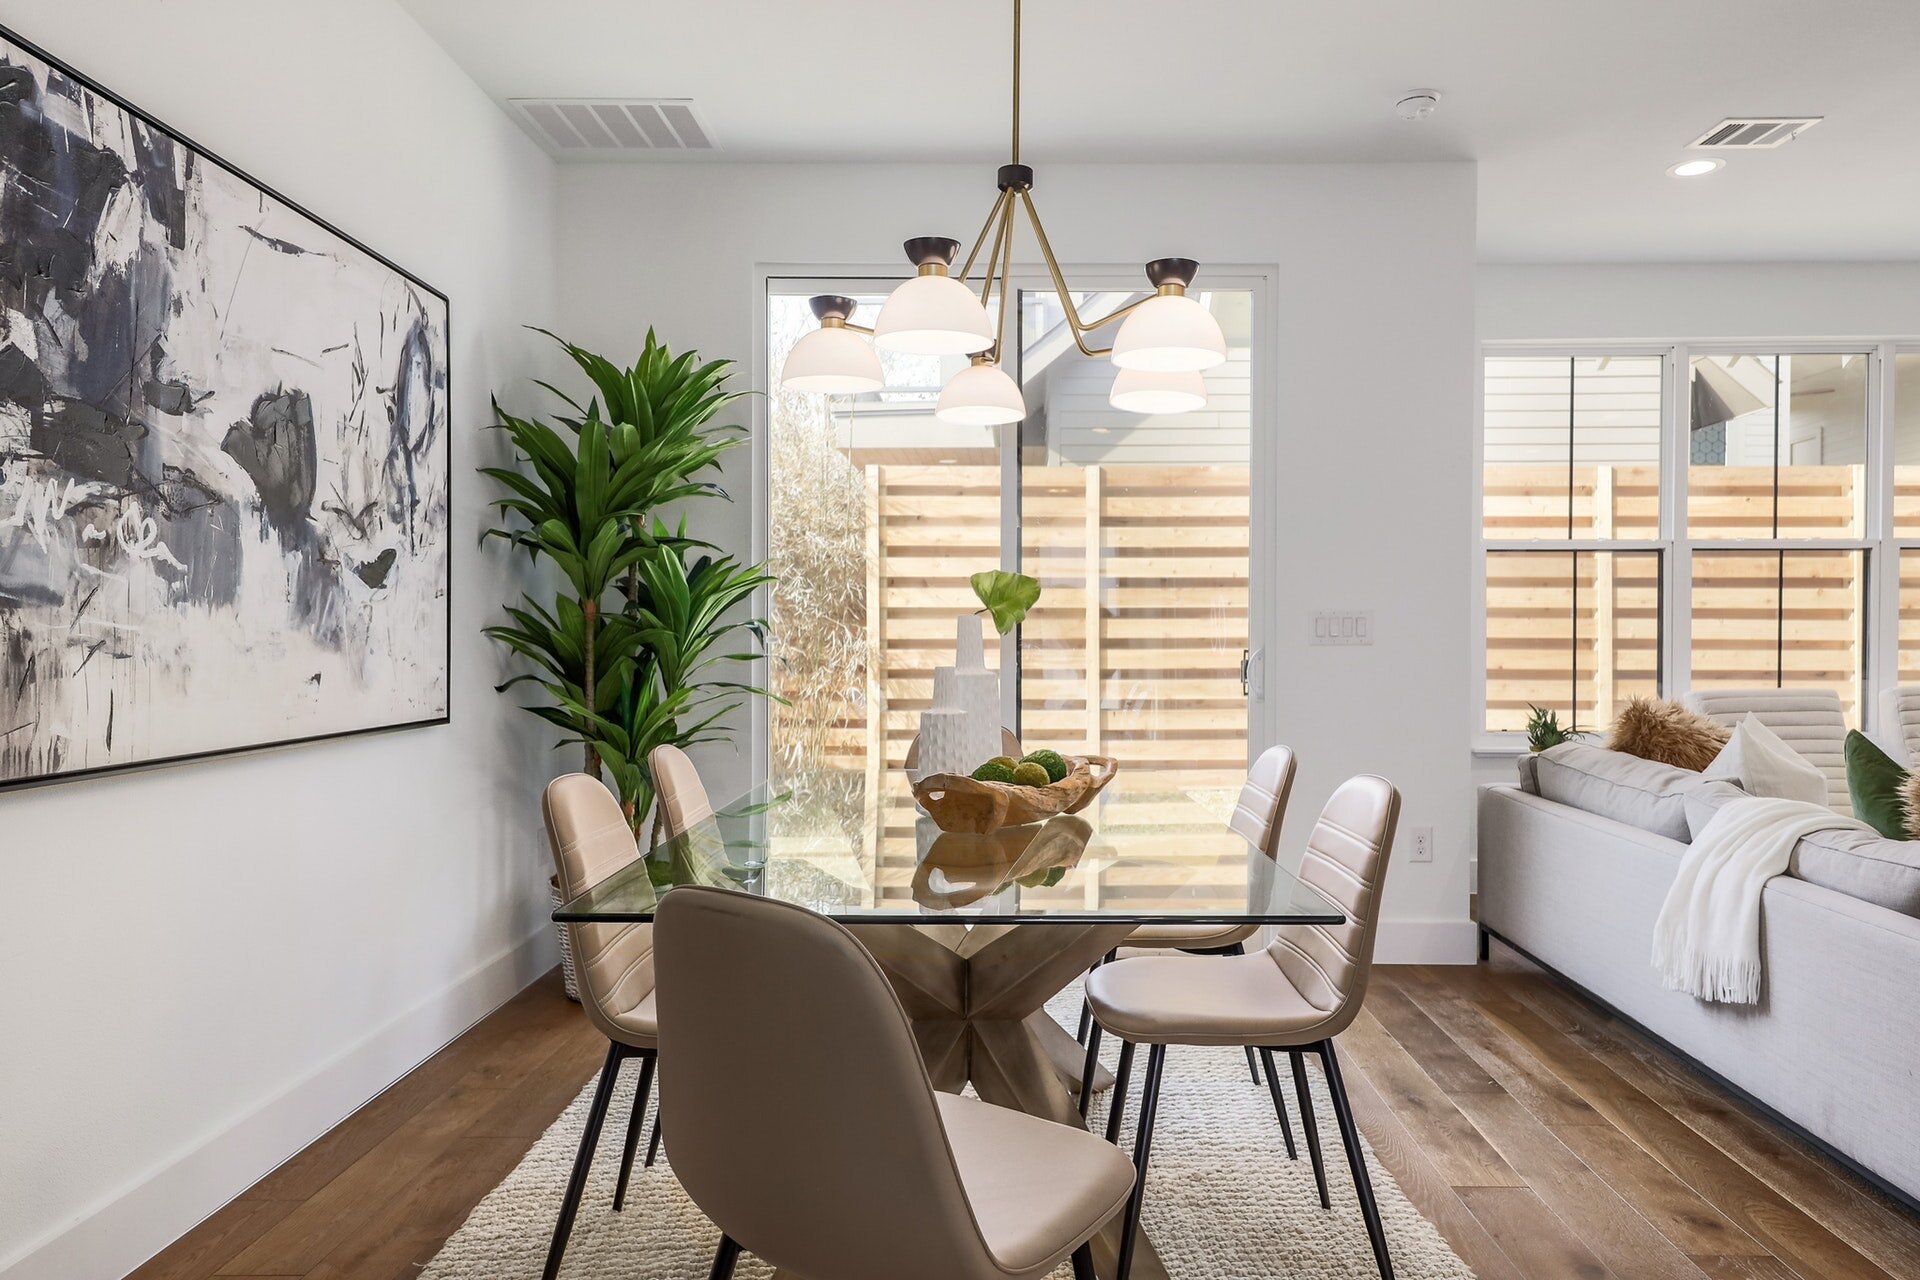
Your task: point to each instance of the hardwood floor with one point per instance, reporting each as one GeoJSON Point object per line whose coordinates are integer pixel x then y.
{"type": "Point", "coordinates": [1544, 1138]}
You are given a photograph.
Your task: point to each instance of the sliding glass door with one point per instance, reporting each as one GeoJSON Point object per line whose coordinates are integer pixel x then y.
{"type": "Point", "coordinates": [1138, 528]}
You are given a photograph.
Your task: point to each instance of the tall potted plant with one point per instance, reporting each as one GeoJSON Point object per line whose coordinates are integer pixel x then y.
{"type": "Point", "coordinates": [625, 653]}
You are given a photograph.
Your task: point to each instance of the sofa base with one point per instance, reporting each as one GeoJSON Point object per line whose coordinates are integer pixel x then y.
{"type": "Point", "coordinates": [1866, 1175]}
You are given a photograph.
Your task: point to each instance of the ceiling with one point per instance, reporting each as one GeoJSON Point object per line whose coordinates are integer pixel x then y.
{"type": "Point", "coordinates": [1572, 111]}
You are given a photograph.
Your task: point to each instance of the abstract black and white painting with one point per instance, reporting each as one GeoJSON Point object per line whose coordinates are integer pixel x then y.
{"type": "Point", "coordinates": [224, 454]}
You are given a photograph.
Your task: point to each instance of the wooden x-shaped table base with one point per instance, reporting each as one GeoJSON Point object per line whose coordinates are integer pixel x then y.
{"type": "Point", "coordinates": [977, 997]}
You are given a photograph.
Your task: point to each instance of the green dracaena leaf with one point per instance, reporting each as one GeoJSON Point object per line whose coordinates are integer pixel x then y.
{"type": "Point", "coordinates": [1005, 596]}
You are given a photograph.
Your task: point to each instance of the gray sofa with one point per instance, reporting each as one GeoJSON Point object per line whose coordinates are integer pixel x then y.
{"type": "Point", "coordinates": [1834, 1045]}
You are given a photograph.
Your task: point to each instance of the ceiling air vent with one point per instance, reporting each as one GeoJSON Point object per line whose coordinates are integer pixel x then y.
{"type": "Point", "coordinates": [1751, 133]}
{"type": "Point", "coordinates": [586, 126]}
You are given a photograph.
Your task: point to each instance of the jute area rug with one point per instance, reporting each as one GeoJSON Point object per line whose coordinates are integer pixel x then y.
{"type": "Point", "coordinates": [1223, 1201]}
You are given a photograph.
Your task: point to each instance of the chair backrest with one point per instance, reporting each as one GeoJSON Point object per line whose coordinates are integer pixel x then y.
{"type": "Point", "coordinates": [1808, 720]}
{"type": "Point", "coordinates": [1263, 800]}
{"type": "Point", "coordinates": [681, 795]}
{"type": "Point", "coordinates": [1346, 859]}
{"type": "Point", "coordinates": [800, 1115]}
{"type": "Point", "coordinates": [590, 840]}
{"type": "Point", "coordinates": [1900, 723]}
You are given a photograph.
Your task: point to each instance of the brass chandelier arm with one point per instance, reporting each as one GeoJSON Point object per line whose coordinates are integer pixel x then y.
{"type": "Point", "coordinates": [966, 268]}
{"type": "Point", "coordinates": [1006, 287]}
{"type": "Point", "coordinates": [1080, 327]}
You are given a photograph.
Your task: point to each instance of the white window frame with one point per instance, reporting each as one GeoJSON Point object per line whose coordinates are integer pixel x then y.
{"type": "Point", "coordinates": [1879, 660]}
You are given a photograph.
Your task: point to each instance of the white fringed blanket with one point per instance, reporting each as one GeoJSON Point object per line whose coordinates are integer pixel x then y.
{"type": "Point", "coordinates": [1707, 939]}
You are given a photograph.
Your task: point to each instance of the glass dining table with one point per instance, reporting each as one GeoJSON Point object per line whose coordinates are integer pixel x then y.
{"type": "Point", "coordinates": [978, 931]}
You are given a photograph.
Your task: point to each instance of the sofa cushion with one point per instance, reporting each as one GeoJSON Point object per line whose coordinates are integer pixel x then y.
{"type": "Point", "coordinates": [1874, 779]}
{"type": "Point", "coordinates": [1640, 793]}
{"type": "Point", "coordinates": [1858, 863]}
{"type": "Point", "coordinates": [1763, 765]}
{"type": "Point", "coordinates": [1862, 865]}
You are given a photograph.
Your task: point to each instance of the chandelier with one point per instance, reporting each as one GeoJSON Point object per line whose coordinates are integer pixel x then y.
{"type": "Point", "coordinates": [1164, 341]}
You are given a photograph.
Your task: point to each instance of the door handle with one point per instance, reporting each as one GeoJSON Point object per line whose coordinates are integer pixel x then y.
{"type": "Point", "coordinates": [1246, 665]}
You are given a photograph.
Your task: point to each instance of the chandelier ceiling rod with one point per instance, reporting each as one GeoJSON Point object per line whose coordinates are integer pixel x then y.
{"type": "Point", "coordinates": [1166, 340]}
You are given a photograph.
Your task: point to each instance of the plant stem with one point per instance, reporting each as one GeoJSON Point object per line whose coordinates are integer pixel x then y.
{"type": "Point", "coordinates": [590, 611]}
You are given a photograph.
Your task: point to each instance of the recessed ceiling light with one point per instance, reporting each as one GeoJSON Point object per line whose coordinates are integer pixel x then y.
{"type": "Point", "coordinates": [1695, 168]}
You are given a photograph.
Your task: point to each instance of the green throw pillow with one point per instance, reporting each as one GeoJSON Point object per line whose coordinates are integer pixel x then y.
{"type": "Point", "coordinates": [1874, 780]}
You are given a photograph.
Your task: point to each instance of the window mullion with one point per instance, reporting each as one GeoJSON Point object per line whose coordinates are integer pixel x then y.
{"type": "Point", "coordinates": [1676, 629]}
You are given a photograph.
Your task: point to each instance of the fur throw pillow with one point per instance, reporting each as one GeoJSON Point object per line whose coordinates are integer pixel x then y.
{"type": "Point", "coordinates": [1910, 804]}
{"type": "Point", "coordinates": [1668, 733]}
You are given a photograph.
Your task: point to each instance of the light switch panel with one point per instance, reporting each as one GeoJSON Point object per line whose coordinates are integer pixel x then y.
{"type": "Point", "coordinates": [1341, 626]}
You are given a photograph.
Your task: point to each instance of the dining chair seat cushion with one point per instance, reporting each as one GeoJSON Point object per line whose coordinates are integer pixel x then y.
{"type": "Point", "coordinates": [1198, 937]}
{"type": "Point", "coordinates": [1237, 1000]}
{"type": "Point", "coordinates": [640, 1024]}
{"type": "Point", "coordinates": [1036, 1188]}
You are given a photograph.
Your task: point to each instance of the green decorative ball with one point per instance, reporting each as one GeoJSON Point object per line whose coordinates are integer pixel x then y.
{"type": "Point", "coordinates": [993, 771]}
{"type": "Point", "coordinates": [1007, 761]}
{"type": "Point", "coordinates": [1052, 761]}
{"type": "Point", "coordinates": [1030, 773]}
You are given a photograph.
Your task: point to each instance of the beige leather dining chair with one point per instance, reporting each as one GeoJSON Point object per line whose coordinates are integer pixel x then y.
{"type": "Point", "coordinates": [591, 840]}
{"type": "Point", "coordinates": [1257, 816]}
{"type": "Point", "coordinates": [1297, 995]}
{"type": "Point", "coordinates": [805, 1127]}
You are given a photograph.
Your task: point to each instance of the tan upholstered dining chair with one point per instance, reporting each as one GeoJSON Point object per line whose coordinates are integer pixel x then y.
{"type": "Point", "coordinates": [1297, 995]}
{"type": "Point", "coordinates": [805, 1127]}
{"type": "Point", "coordinates": [590, 840]}
{"type": "Point", "coordinates": [1257, 816]}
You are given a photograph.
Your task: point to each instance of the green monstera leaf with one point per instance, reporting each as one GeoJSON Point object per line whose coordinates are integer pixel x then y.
{"type": "Point", "coordinates": [1006, 596]}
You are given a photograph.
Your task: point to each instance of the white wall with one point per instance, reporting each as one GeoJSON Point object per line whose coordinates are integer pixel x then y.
{"type": "Point", "coordinates": [1699, 301]}
{"type": "Point", "coordinates": [1372, 288]}
{"type": "Point", "coordinates": [203, 968]}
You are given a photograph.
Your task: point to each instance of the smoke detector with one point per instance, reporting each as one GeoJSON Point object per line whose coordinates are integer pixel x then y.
{"type": "Point", "coordinates": [1419, 104]}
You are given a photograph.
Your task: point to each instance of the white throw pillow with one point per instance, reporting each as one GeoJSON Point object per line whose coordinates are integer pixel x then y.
{"type": "Point", "coordinates": [1763, 765]}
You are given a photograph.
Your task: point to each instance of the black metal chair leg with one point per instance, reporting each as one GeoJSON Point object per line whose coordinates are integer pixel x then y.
{"type": "Point", "coordinates": [1253, 1065]}
{"type": "Point", "coordinates": [1311, 1125]}
{"type": "Point", "coordinates": [1356, 1159]}
{"type": "Point", "coordinates": [577, 1183]}
{"type": "Point", "coordinates": [1083, 1263]}
{"type": "Point", "coordinates": [1117, 1105]}
{"type": "Point", "coordinates": [1086, 1073]}
{"type": "Point", "coordinates": [1086, 1022]}
{"type": "Point", "coordinates": [641, 1092]}
{"type": "Point", "coordinates": [1142, 1148]}
{"type": "Point", "coordinates": [653, 1140]}
{"type": "Point", "coordinates": [723, 1259]}
{"type": "Point", "coordinates": [1279, 1101]}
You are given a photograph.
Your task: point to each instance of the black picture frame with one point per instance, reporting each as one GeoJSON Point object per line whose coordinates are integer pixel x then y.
{"type": "Point", "coordinates": [13, 40]}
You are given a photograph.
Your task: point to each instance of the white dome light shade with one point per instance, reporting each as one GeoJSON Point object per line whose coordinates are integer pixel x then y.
{"type": "Point", "coordinates": [933, 315]}
{"type": "Point", "coordinates": [1170, 333]}
{"type": "Point", "coordinates": [832, 361]}
{"type": "Point", "coordinates": [981, 395]}
{"type": "Point", "coordinates": [1138, 391]}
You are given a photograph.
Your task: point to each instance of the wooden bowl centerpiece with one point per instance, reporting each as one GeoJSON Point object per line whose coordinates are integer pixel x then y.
{"type": "Point", "coordinates": [956, 802]}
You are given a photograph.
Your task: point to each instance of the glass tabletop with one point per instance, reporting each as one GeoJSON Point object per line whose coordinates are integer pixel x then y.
{"type": "Point", "coordinates": [1128, 858]}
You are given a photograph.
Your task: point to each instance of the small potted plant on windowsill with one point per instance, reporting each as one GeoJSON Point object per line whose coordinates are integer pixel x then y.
{"type": "Point", "coordinates": [1545, 730]}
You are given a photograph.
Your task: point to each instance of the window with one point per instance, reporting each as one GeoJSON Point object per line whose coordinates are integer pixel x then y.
{"type": "Point", "coordinates": [1570, 489]}
{"type": "Point", "coordinates": [1785, 555]}
{"type": "Point", "coordinates": [1777, 454]}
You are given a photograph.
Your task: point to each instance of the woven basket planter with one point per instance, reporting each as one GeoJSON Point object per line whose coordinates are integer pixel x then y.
{"type": "Point", "coordinates": [567, 976]}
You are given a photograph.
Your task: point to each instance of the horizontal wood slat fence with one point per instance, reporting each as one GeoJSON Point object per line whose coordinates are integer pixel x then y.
{"type": "Point", "coordinates": [1133, 651]}
{"type": "Point", "coordinates": [1579, 631]}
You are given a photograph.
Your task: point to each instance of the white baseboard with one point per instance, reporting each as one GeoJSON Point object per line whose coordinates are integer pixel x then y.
{"type": "Point", "coordinates": [1427, 942]}
{"type": "Point", "coordinates": [129, 1226]}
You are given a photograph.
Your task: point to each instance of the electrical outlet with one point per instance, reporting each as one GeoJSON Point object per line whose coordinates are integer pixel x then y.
{"type": "Point", "coordinates": [1422, 845]}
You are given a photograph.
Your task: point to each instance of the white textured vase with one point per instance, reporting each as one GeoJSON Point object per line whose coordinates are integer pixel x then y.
{"type": "Point", "coordinates": [978, 691]}
{"type": "Point", "coordinates": [943, 728]}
